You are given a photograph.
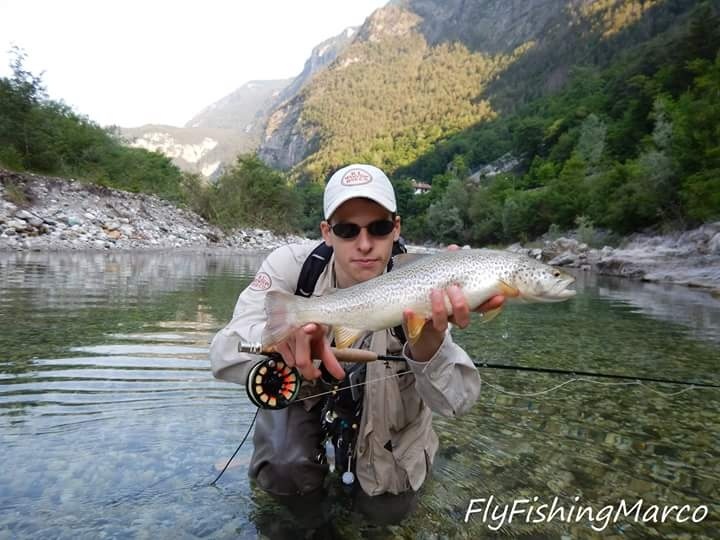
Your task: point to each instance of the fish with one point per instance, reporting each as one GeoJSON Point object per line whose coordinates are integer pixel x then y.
{"type": "Point", "coordinates": [379, 303]}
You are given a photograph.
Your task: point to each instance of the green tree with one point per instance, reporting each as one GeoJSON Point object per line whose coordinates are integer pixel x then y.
{"type": "Point", "coordinates": [252, 194]}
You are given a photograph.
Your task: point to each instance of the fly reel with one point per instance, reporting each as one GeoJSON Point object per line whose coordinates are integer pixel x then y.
{"type": "Point", "coordinates": [272, 384]}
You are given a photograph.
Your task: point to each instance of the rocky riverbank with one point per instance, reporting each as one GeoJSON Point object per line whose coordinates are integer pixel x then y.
{"type": "Point", "coordinates": [43, 213]}
{"type": "Point", "coordinates": [689, 258]}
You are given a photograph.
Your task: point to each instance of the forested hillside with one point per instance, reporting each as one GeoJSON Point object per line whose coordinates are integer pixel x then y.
{"type": "Point", "coordinates": [394, 100]}
{"type": "Point", "coordinates": [634, 145]}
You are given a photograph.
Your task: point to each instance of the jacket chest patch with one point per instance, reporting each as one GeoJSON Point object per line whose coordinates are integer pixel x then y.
{"type": "Point", "coordinates": [262, 282]}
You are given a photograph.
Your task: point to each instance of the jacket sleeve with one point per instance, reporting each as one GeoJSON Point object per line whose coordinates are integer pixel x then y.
{"type": "Point", "coordinates": [275, 274]}
{"type": "Point", "coordinates": [449, 383]}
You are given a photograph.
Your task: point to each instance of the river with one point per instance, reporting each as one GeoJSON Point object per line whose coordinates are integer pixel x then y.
{"type": "Point", "coordinates": [111, 422]}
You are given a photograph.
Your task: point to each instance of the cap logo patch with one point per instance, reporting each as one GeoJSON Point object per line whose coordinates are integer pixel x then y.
{"type": "Point", "coordinates": [261, 282]}
{"type": "Point", "coordinates": [356, 177]}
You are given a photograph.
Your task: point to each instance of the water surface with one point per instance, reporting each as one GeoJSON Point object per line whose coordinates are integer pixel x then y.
{"type": "Point", "coordinates": [111, 423]}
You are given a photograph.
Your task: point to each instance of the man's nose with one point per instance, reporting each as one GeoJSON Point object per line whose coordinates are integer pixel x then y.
{"type": "Point", "coordinates": [364, 241]}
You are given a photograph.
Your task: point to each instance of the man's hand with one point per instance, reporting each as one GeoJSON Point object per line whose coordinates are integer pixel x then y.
{"type": "Point", "coordinates": [433, 333]}
{"type": "Point", "coordinates": [305, 344]}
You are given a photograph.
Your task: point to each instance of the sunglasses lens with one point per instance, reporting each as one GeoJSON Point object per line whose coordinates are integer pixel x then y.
{"type": "Point", "coordinates": [346, 230]}
{"type": "Point", "coordinates": [381, 228]}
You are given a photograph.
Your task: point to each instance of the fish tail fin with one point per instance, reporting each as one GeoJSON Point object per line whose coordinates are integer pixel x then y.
{"type": "Point", "coordinates": [280, 309]}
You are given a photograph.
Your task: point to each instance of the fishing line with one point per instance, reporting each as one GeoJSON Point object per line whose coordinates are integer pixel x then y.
{"type": "Point", "coordinates": [354, 385]}
{"type": "Point", "coordinates": [590, 381]}
{"type": "Point", "coordinates": [252, 423]}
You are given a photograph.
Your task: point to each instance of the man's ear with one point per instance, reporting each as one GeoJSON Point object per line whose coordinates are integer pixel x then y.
{"type": "Point", "coordinates": [325, 231]}
{"type": "Point", "coordinates": [396, 234]}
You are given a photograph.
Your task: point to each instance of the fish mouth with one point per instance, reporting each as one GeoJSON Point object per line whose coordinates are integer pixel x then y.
{"type": "Point", "coordinates": [560, 291]}
{"type": "Point", "coordinates": [556, 293]}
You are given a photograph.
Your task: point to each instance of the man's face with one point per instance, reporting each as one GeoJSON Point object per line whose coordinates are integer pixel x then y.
{"type": "Point", "coordinates": [365, 256]}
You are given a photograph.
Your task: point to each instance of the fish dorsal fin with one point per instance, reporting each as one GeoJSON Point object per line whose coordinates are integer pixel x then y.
{"type": "Point", "coordinates": [415, 325]}
{"type": "Point", "coordinates": [345, 337]}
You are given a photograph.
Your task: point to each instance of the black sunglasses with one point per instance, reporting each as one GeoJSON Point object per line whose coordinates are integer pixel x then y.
{"type": "Point", "coordinates": [381, 227]}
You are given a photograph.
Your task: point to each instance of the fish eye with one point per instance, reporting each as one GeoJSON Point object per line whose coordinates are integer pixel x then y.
{"type": "Point", "coordinates": [556, 273]}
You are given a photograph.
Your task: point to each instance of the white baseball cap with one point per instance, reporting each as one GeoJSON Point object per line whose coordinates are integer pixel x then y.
{"type": "Point", "coordinates": [358, 180]}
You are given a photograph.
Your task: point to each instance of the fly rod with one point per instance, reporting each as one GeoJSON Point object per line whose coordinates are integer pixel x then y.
{"type": "Point", "coordinates": [272, 384]}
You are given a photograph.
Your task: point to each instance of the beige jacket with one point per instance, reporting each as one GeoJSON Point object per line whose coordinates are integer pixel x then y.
{"type": "Point", "coordinates": [396, 409]}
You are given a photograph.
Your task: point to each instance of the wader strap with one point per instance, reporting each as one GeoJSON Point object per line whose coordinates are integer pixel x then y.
{"type": "Point", "coordinates": [312, 268]}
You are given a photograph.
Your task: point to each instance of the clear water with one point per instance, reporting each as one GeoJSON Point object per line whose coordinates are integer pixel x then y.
{"type": "Point", "coordinates": [111, 424]}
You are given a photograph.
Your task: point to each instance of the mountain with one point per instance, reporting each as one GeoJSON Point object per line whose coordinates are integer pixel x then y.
{"type": "Point", "coordinates": [243, 110]}
{"type": "Point", "coordinates": [418, 71]}
{"type": "Point", "coordinates": [216, 135]}
{"type": "Point", "coordinates": [198, 150]}
{"type": "Point", "coordinates": [237, 123]}
{"type": "Point", "coordinates": [278, 146]}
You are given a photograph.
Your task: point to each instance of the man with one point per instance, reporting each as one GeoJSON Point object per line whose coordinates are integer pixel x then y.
{"type": "Point", "coordinates": [394, 442]}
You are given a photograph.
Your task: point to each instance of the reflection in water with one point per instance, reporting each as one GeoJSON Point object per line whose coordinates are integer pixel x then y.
{"type": "Point", "coordinates": [111, 422]}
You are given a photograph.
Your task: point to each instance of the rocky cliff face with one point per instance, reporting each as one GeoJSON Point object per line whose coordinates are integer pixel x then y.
{"type": "Point", "coordinates": [488, 25]}
{"type": "Point", "coordinates": [286, 140]}
{"type": "Point", "coordinates": [321, 57]}
{"type": "Point", "coordinates": [202, 151]}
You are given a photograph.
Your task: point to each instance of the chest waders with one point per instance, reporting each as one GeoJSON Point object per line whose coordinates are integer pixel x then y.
{"type": "Point", "coordinates": [341, 411]}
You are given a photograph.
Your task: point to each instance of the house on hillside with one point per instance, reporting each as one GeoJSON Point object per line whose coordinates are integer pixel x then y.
{"type": "Point", "coordinates": [420, 187]}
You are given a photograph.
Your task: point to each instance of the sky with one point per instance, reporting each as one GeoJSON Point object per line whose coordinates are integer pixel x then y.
{"type": "Point", "coordinates": [130, 62]}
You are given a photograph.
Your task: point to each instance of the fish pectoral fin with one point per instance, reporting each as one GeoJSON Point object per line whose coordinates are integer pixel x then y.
{"type": "Point", "coordinates": [509, 290]}
{"type": "Point", "coordinates": [490, 314]}
{"type": "Point", "coordinates": [415, 325]}
{"type": "Point", "coordinates": [345, 337]}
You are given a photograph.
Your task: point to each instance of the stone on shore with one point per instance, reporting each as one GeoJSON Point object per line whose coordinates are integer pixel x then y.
{"type": "Point", "coordinates": [64, 214]}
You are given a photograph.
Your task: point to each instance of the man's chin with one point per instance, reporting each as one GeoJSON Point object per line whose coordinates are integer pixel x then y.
{"type": "Point", "coordinates": [363, 273]}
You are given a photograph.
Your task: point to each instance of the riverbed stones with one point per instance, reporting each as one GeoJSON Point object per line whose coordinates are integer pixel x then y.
{"type": "Point", "coordinates": [66, 214]}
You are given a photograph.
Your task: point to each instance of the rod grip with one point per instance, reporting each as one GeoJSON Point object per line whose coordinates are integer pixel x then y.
{"type": "Point", "coordinates": [358, 356]}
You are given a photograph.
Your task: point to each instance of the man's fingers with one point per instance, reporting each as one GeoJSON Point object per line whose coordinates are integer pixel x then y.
{"type": "Point", "coordinates": [310, 373]}
{"type": "Point", "coordinates": [460, 307]}
{"type": "Point", "coordinates": [318, 347]}
{"type": "Point", "coordinates": [493, 303]}
{"type": "Point", "coordinates": [331, 362]}
{"type": "Point", "coordinates": [287, 355]}
{"type": "Point", "coordinates": [302, 351]}
{"type": "Point", "coordinates": [439, 312]}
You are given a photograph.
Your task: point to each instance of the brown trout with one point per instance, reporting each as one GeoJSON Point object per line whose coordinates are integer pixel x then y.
{"type": "Point", "coordinates": [379, 303]}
